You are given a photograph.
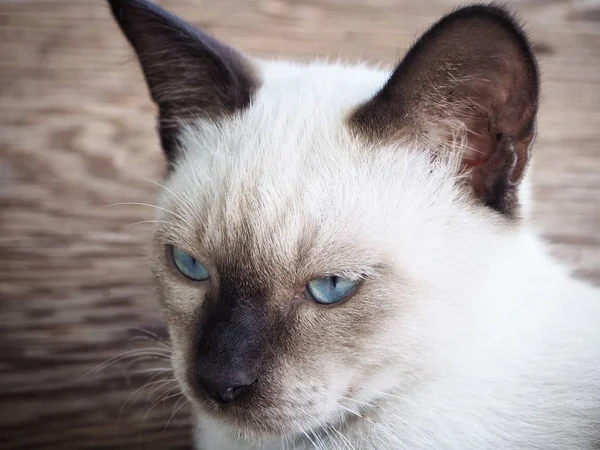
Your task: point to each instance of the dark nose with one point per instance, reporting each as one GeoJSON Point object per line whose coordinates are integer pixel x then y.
{"type": "Point", "coordinates": [225, 389]}
{"type": "Point", "coordinates": [231, 340]}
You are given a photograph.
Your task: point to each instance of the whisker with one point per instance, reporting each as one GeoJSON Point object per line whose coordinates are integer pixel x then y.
{"type": "Point", "coordinates": [176, 409]}
{"type": "Point", "coordinates": [156, 388]}
{"type": "Point", "coordinates": [309, 438]}
{"type": "Point", "coordinates": [152, 339]}
{"type": "Point", "coordinates": [344, 439]}
{"type": "Point", "coordinates": [125, 355]}
{"type": "Point", "coordinates": [146, 332]}
{"type": "Point", "coordinates": [286, 442]}
{"type": "Point", "coordinates": [138, 360]}
{"type": "Point", "coordinates": [331, 437]}
{"type": "Point", "coordinates": [160, 400]}
{"type": "Point", "coordinates": [164, 396]}
{"type": "Point", "coordinates": [372, 422]}
{"type": "Point", "coordinates": [147, 221]}
{"type": "Point", "coordinates": [186, 205]}
{"type": "Point", "coordinates": [145, 204]}
{"type": "Point", "coordinates": [387, 394]}
{"type": "Point", "coordinates": [319, 439]}
{"type": "Point", "coordinates": [375, 391]}
{"type": "Point", "coordinates": [358, 401]}
{"type": "Point", "coordinates": [401, 419]}
{"type": "Point", "coordinates": [148, 384]}
{"type": "Point", "coordinates": [165, 188]}
{"type": "Point", "coordinates": [158, 369]}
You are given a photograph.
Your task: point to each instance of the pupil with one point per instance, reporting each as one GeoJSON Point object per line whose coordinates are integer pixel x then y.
{"type": "Point", "coordinates": [334, 281]}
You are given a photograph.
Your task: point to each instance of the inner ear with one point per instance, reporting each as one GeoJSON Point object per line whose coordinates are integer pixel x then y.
{"type": "Point", "coordinates": [469, 83]}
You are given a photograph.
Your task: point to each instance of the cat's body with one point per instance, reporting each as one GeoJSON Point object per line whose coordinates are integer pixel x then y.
{"type": "Point", "coordinates": [461, 331]}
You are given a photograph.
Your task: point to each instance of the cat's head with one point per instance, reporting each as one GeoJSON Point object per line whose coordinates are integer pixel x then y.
{"type": "Point", "coordinates": [320, 221]}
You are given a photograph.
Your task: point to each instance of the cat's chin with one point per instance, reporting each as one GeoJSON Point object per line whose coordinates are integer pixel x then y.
{"type": "Point", "coordinates": [246, 435]}
{"type": "Point", "coordinates": [259, 426]}
{"type": "Point", "coordinates": [241, 429]}
{"type": "Point", "coordinates": [255, 427]}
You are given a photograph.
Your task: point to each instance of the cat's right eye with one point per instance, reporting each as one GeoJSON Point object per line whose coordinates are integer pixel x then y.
{"type": "Point", "coordinates": [188, 265]}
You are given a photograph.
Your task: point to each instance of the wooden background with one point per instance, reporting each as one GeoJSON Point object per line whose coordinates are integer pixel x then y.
{"type": "Point", "coordinates": [77, 133]}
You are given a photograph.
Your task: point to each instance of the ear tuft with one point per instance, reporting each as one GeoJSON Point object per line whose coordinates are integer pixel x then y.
{"type": "Point", "coordinates": [471, 80]}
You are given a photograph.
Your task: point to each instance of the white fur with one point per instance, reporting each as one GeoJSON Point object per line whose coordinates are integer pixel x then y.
{"type": "Point", "coordinates": [496, 345]}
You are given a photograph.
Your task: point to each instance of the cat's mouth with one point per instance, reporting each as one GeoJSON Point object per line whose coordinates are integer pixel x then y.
{"type": "Point", "coordinates": [264, 415]}
{"type": "Point", "coordinates": [301, 433]}
{"type": "Point", "coordinates": [259, 415]}
{"type": "Point", "coordinates": [261, 418]}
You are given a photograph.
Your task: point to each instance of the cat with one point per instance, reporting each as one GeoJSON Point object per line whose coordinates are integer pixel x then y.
{"type": "Point", "coordinates": [344, 256]}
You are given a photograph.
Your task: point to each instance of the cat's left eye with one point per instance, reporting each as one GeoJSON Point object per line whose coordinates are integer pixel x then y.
{"type": "Point", "coordinates": [188, 265]}
{"type": "Point", "coordinates": [330, 290]}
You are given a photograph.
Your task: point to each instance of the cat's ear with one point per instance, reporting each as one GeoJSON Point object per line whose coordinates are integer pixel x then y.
{"type": "Point", "coordinates": [189, 73]}
{"type": "Point", "coordinates": [471, 78]}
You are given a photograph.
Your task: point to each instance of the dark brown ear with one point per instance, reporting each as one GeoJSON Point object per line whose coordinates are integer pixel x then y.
{"type": "Point", "coordinates": [189, 73]}
{"type": "Point", "coordinates": [471, 78]}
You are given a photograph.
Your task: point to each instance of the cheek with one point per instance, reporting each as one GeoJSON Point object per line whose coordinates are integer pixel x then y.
{"type": "Point", "coordinates": [182, 348]}
{"type": "Point", "coordinates": [180, 306]}
{"type": "Point", "coordinates": [181, 298]}
{"type": "Point", "coordinates": [311, 391]}
{"type": "Point", "coordinates": [180, 365]}
{"type": "Point", "coordinates": [350, 329]}
{"type": "Point", "coordinates": [343, 347]}
{"type": "Point", "coordinates": [330, 346]}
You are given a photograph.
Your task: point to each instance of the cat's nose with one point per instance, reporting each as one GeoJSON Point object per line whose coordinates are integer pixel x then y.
{"type": "Point", "coordinates": [226, 389]}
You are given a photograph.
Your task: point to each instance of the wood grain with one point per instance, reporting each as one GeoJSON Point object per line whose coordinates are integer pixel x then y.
{"type": "Point", "coordinates": [77, 133]}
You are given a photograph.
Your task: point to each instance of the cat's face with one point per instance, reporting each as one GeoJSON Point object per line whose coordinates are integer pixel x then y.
{"type": "Point", "coordinates": [269, 201]}
{"type": "Point", "coordinates": [282, 175]}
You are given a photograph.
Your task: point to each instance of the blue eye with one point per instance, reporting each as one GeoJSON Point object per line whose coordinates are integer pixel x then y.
{"type": "Point", "coordinates": [330, 290]}
{"type": "Point", "coordinates": [188, 265]}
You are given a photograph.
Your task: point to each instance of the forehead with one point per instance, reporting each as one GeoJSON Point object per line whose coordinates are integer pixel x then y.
{"type": "Point", "coordinates": [267, 211]}
{"type": "Point", "coordinates": [274, 156]}
{"type": "Point", "coordinates": [285, 180]}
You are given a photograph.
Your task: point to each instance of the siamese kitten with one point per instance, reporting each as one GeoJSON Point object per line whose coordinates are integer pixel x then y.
{"type": "Point", "coordinates": [344, 257]}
